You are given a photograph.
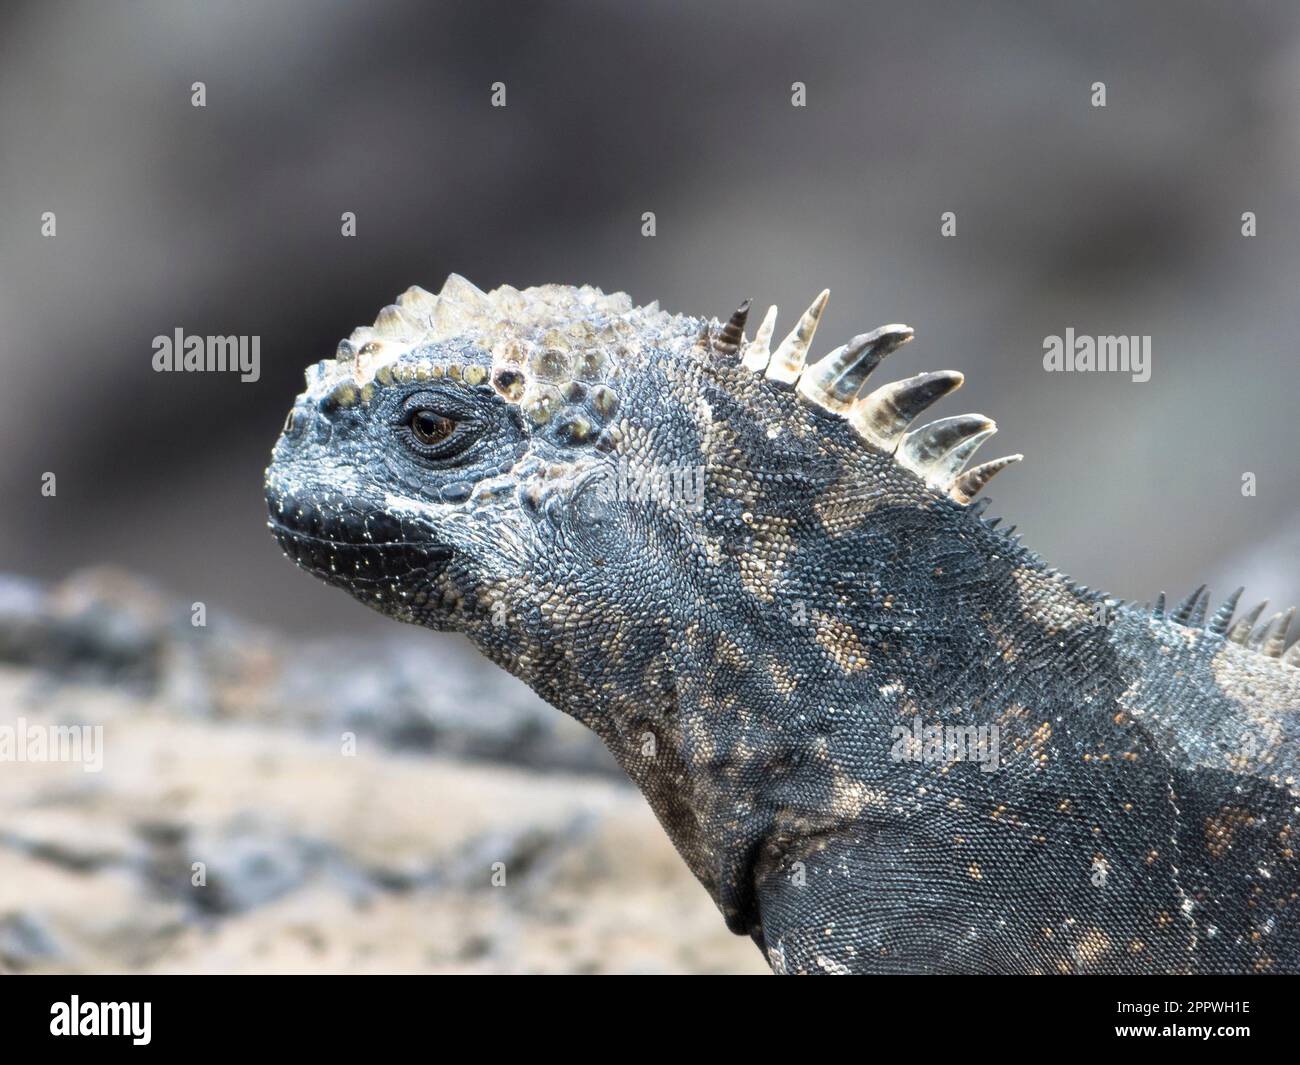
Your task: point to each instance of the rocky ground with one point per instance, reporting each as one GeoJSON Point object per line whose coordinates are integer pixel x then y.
{"type": "Point", "coordinates": [265, 806]}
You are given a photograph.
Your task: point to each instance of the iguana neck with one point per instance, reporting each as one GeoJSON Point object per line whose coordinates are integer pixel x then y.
{"type": "Point", "coordinates": [743, 716]}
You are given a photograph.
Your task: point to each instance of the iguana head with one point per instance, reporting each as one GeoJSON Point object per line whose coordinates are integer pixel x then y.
{"type": "Point", "coordinates": [745, 572]}
{"type": "Point", "coordinates": [556, 471]}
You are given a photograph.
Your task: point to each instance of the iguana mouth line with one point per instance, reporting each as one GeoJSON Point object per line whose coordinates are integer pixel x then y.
{"type": "Point", "coordinates": [437, 550]}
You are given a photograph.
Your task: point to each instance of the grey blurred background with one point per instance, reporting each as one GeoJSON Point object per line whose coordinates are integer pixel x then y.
{"type": "Point", "coordinates": [225, 220]}
{"type": "Point", "coordinates": [223, 743]}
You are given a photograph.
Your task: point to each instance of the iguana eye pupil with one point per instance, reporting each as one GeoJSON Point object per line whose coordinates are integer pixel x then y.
{"type": "Point", "coordinates": [430, 427]}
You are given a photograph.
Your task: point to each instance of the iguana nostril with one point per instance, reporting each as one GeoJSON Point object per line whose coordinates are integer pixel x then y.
{"type": "Point", "coordinates": [299, 420]}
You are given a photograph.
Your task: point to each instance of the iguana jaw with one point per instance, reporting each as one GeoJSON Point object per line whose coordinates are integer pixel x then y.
{"type": "Point", "coordinates": [362, 550]}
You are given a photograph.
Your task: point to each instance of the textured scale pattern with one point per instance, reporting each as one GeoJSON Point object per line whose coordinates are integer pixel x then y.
{"type": "Point", "coordinates": [751, 653]}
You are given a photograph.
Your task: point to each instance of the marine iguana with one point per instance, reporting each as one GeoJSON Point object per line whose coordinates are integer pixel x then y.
{"type": "Point", "coordinates": [795, 663]}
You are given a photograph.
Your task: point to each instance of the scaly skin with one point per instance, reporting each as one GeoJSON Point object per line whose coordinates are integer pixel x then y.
{"type": "Point", "coordinates": [756, 656]}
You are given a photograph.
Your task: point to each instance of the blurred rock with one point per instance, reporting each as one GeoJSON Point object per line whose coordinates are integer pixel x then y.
{"type": "Point", "coordinates": [25, 943]}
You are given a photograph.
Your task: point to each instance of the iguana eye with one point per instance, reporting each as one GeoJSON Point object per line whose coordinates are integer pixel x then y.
{"type": "Point", "coordinates": [429, 427]}
{"type": "Point", "coordinates": [438, 429]}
